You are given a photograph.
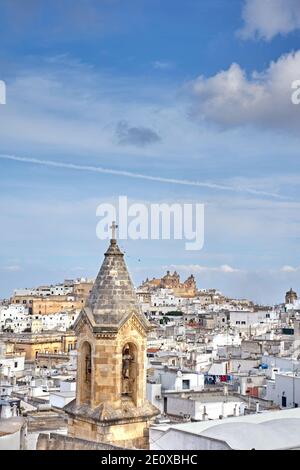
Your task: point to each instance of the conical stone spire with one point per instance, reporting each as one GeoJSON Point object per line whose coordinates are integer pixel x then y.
{"type": "Point", "coordinates": [113, 298]}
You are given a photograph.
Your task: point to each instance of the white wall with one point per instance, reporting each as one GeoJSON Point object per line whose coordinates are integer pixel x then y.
{"type": "Point", "coordinates": [226, 340]}
{"type": "Point", "coordinates": [12, 364]}
{"type": "Point", "coordinates": [11, 441]}
{"type": "Point", "coordinates": [243, 320]}
{"type": "Point", "coordinates": [284, 364]}
{"type": "Point", "coordinates": [60, 400]}
{"type": "Point", "coordinates": [174, 380]}
{"type": "Point", "coordinates": [154, 391]}
{"type": "Point", "coordinates": [196, 409]}
{"type": "Point", "coordinates": [285, 385]}
{"type": "Point", "coordinates": [67, 386]}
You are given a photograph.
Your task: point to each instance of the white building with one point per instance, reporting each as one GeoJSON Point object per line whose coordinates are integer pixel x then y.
{"type": "Point", "coordinates": [58, 321]}
{"type": "Point", "coordinates": [45, 291]}
{"type": "Point", "coordinates": [200, 361]}
{"type": "Point", "coordinates": [293, 306]}
{"type": "Point", "coordinates": [65, 395]}
{"type": "Point", "coordinates": [15, 318]}
{"type": "Point", "coordinates": [12, 364]}
{"type": "Point", "coordinates": [204, 408]}
{"type": "Point", "coordinates": [244, 320]}
{"type": "Point", "coordinates": [164, 298]}
{"type": "Point", "coordinates": [176, 380]}
{"type": "Point", "coordinates": [225, 339]}
{"type": "Point", "coordinates": [277, 364]}
{"type": "Point", "coordinates": [284, 390]}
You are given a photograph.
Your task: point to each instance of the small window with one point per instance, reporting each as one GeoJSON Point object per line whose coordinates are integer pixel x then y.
{"type": "Point", "coordinates": [186, 384]}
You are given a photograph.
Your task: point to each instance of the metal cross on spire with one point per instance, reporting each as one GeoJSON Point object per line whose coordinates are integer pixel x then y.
{"type": "Point", "coordinates": [113, 230]}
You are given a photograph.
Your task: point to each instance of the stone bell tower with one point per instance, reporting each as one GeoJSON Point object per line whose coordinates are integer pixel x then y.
{"type": "Point", "coordinates": [110, 404]}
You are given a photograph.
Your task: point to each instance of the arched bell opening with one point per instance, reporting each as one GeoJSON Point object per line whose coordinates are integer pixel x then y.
{"type": "Point", "coordinates": [129, 376]}
{"type": "Point", "coordinates": [85, 373]}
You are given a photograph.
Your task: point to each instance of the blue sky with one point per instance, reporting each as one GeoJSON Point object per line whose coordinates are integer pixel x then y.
{"type": "Point", "coordinates": [197, 90]}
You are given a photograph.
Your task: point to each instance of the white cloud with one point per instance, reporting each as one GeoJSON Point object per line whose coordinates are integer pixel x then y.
{"type": "Point", "coordinates": [290, 269]}
{"type": "Point", "coordinates": [264, 19]}
{"type": "Point", "coordinates": [196, 268]}
{"type": "Point", "coordinates": [12, 268]}
{"type": "Point", "coordinates": [162, 65]}
{"type": "Point", "coordinates": [231, 99]}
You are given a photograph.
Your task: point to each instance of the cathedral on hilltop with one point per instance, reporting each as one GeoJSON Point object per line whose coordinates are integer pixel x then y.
{"type": "Point", "coordinates": [188, 288]}
{"type": "Point", "coordinates": [110, 405]}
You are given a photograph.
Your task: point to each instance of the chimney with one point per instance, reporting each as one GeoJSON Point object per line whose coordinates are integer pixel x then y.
{"type": "Point", "coordinates": [205, 415]}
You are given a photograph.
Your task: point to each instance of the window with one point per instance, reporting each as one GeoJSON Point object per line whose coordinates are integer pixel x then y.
{"type": "Point", "coordinates": [267, 315]}
{"type": "Point", "coordinates": [185, 384]}
{"type": "Point", "coordinates": [243, 323]}
{"type": "Point", "coordinates": [16, 365]}
{"type": "Point", "coordinates": [237, 322]}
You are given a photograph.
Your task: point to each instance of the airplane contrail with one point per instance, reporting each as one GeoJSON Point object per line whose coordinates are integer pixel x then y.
{"type": "Point", "coordinates": [129, 174]}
